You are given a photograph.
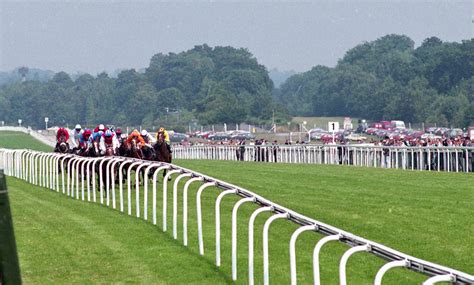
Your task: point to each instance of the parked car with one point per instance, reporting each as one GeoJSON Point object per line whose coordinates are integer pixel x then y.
{"type": "Point", "coordinates": [371, 131]}
{"type": "Point", "coordinates": [381, 133]}
{"type": "Point", "coordinates": [219, 136]}
{"type": "Point", "coordinates": [178, 137]}
{"type": "Point", "coordinates": [429, 136]}
{"type": "Point", "coordinates": [204, 135]}
{"type": "Point", "coordinates": [455, 133]}
{"type": "Point", "coordinates": [242, 136]}
{"type": "Point", "coordinates": [376, 125]}
{"type": "Point", "coordinates": [356, 137]}
{"type": "Point", "coordinates": [317, 133]}
{"type": "Point", "coordinates": [397, 124]}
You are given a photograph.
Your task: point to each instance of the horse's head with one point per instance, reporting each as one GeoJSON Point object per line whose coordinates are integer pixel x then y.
{"type": "Point", "coordinates": [161, 137]}
{"type": "Point", "coordinates": [135, 151]}
{"type": "Point", "coordinates": [133, 144]}
{"type": "Point", "coordinates": [63, 147]}
{"type": "Point", "coordinates": [109, 150]}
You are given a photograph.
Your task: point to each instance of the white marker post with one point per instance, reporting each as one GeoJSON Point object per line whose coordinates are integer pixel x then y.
{"type": "Point", "coordinates": [333, 127]}
{"type": "Point", "coordinates": [46, 119]}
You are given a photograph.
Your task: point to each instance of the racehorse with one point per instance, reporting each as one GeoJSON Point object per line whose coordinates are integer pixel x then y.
{"type": "Point", "coordinates": [161, 151]}
{"type": "Point", "coordinates": [109, 151]}
{"type": "Point", "coordinates": [148, 152]}
{"type": "Point", "coordinates": [62, 146]}
{"type": "Point", "coordinates": [135, 151]}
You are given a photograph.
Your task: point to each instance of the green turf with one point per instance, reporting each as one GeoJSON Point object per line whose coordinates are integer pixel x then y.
{"type": "Point", "coordinates": [62, 241]}
{"type": "Point", "coordinates": [352, 198]}
{"type": "Point", "coordinates": [19, 140]}
{"type": "Point", "coordinates": [428, 215]}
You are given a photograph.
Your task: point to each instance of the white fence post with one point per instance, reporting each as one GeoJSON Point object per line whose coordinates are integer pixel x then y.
{"type": "Point", "coordinates": [234, 234]}
{"type": "Point", "coordinates": [266, 270]}
{"type": "Point", "coordinates": [251, 243]}
{"type": "Point", "coordinates": [218, 223]}
{"type": "Point", "coordinates": [345, 257]}
{"type": "Point", "coordinates": [175, 202]}
{"type": "Point", "coordinates": [294, 236]}
{"type": "Point", "coordinates": [185, 208]}
{"type": "Point", "coordinates": [387, 267]}
{"type": "Point", "coordinates": [316, 251]}
{"type": "Point", "coordinates": [199, 214]}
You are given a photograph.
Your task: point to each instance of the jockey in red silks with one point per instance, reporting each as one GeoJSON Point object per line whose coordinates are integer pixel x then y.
{"type": "Point", "coordinates": [62, 137]}
{"type": "Point", "coordinates": [84, 139]}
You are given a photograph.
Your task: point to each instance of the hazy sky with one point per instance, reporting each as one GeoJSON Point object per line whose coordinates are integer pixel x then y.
{"type": "Point", "coordinates": [94, 36]}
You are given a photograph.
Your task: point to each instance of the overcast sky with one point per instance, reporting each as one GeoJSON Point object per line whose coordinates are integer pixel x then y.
{"type": "Point", "coordinates": [93, 36]}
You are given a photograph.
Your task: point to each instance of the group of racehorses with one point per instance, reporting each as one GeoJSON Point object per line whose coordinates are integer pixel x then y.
{"type": "Point", "coordinates": [157, 152]}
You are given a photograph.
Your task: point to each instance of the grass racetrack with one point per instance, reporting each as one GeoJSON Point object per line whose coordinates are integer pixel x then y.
{"type": "Point", "coordinates": [428, 215]}
{"type": "Point", "coordinates": [19, 140]}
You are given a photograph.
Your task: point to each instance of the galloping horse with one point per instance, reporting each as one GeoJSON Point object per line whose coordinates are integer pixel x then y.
{"type": "Point", "coordinates": [109, 151]}
{"type": "Point", "coordinates": [134, 150]}
{"type": "Point", "coordinates": [162, 152]}
{"type": "Point", "coordinates": [148, 152]}
{"type": "Point", "coordinates": [62, 146]}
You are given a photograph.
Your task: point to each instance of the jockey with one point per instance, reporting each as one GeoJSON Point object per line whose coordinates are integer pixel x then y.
{"type": "Point", "coordinates": [108, 139]}
{"type": "Point", "coordinates": [118, 133]}
{"type": "Point", "coordinates": [84, 139]}
{"type": "Point", "coordinates": [62, 132]}
{"type": "Point", "coordinates": [95, 137]}
{"type": "Point", "coordinates": [62, 136]}
{"type": "Point", "coordinates": [76, 134]}
{"type": "Point", "coordinates": [166, 136]}
{"type": "Point", "coordinates": [135, 134]}
{"type": "Point", "coordinates": [149, 139]}
{"type": "Point", "coordinates": [100, 127]}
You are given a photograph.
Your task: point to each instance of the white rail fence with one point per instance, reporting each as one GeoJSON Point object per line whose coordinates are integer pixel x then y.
{"type": "Point", "coordinates": [452, 159]}
{"type": "Point", "coordinates": [71, 175]}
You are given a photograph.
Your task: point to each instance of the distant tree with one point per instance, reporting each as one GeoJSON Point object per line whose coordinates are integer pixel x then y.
{"type": "Point", "coordinates": [389, 79]}
{"type": "Point", "coordinates": [23, 71]}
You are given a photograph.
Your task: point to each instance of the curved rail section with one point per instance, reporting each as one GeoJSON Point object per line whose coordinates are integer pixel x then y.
{"type": "Point", "coordinates": [73, 175]}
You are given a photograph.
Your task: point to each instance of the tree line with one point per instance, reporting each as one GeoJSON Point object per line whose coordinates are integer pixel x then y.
{"type": "Point", "coordinates": [384, 79]}
{"type": "Point", "coordinates": [208, 85]}
{"type": "Point", "coordinates": [390, 79]}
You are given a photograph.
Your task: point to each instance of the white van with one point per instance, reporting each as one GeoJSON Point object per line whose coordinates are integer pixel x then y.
{"type": "Point", "coordinates": [398, 124]}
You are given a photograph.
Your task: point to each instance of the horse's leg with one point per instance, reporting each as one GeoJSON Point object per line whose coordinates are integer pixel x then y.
{"type": "Point", "coordinates": [164, 174]}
